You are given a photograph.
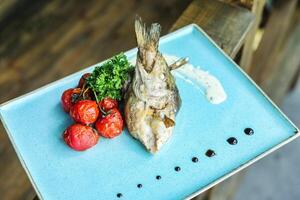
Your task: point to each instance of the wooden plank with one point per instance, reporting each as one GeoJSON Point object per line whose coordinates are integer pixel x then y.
{"type": "Point", "coordinates": [245, 3]}
{"type": "Point", "coordinates": [6, 6]}
{"type": "Point", "coordinates": [248, 50]}
{"type": "Point", "coordinates": [226, 24]}
{"type": "Point", "coordinates": [295, 80]}
{"type": "Point", "coordinates": [226, 190]}
{"type": "Point", "coordinates": [272, 40]}
{"type": "Point", "coordinates": [279, 82]}
{"type": "Point", "coordinates": [202, 196]}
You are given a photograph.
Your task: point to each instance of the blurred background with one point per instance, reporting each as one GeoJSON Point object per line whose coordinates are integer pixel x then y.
{"type": "Point", "coordinates": [42, 41]}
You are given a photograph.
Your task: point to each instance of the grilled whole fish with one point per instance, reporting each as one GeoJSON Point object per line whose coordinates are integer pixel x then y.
{"type": "Point", "coordinates": [152, 99]}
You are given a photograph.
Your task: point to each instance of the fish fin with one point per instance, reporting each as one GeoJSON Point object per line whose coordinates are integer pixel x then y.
{"type": "Point", "coordinates": [179, 63]}
{"type": "Point", "coordinates": [168, 122]}
{"type": "Point", "coordinates": [147, 37]}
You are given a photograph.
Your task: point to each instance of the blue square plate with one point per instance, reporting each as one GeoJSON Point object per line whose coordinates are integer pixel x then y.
{"type": "Point", "coordinates": [35, 122]}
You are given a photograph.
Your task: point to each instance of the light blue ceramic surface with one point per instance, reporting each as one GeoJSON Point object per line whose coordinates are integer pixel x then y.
{"type": "Point", "coordinates": [35, 123]}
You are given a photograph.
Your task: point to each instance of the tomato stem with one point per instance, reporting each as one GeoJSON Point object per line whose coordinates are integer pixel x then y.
{"type": "Point", "coordinates": [103, 111]}
{"type": "Point", "coordinates": [83, 94]}
{"type": "Point", "coordinates": [97, 100]}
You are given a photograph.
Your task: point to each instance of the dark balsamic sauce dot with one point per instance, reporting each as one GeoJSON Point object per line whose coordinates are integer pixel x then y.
{"type": "Point", "coordinates": [210, 153]}
{"type": "Point", "coordinates": [195, 159]}
{"type": "Point", "coordinates": [177, 169]}
{"type": "Point", "coordinates": [119, 195]}
{"type": "Point", "coordinates": [248, 131]}
{"type": "Point", "coordinates": [232, 141]}
{"type": "Point", "coordinates": [158, 177]}
{"type": "Point", "coordinates": [139, 185]}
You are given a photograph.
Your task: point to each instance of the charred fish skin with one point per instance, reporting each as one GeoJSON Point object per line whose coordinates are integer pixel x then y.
{"type": "Point", "coordinates": [152, 99]}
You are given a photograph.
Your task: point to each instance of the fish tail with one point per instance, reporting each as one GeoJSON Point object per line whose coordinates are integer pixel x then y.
{"type": "Point", "coordinates": [147, 38]}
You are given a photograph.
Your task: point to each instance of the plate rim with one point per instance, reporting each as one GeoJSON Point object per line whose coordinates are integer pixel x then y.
{"type": "Point", "coordinates": [191, 26]}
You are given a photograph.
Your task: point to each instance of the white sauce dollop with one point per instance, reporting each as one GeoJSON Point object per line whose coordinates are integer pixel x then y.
{"type": "Point", "coordinates": [213, 89]}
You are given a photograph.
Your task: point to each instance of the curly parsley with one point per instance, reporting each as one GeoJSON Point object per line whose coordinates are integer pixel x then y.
{"type": "Point", "coordinates": [107, 79]}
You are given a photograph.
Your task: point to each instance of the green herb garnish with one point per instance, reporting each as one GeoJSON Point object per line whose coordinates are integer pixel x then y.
{"type": "Point", "coordinates": [107, 80]}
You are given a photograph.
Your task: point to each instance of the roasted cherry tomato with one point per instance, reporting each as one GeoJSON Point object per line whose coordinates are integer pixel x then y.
{"type": "Point", "coordinates": [69, 97]}
{"type": "Point", "coordinates": [85, 112]}
{"type": "Point", "coordinates": [111, 124]}
{"type": "Point", "coordinates": [80, 137]}
{"type": "Point", "coordinates": [82, 79]}
{"type": "Point", "coordinates": [108, 103]}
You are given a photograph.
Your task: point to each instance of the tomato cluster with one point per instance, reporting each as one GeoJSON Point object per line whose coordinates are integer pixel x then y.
{"type": "Point", "coordinates": [92, 119]}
